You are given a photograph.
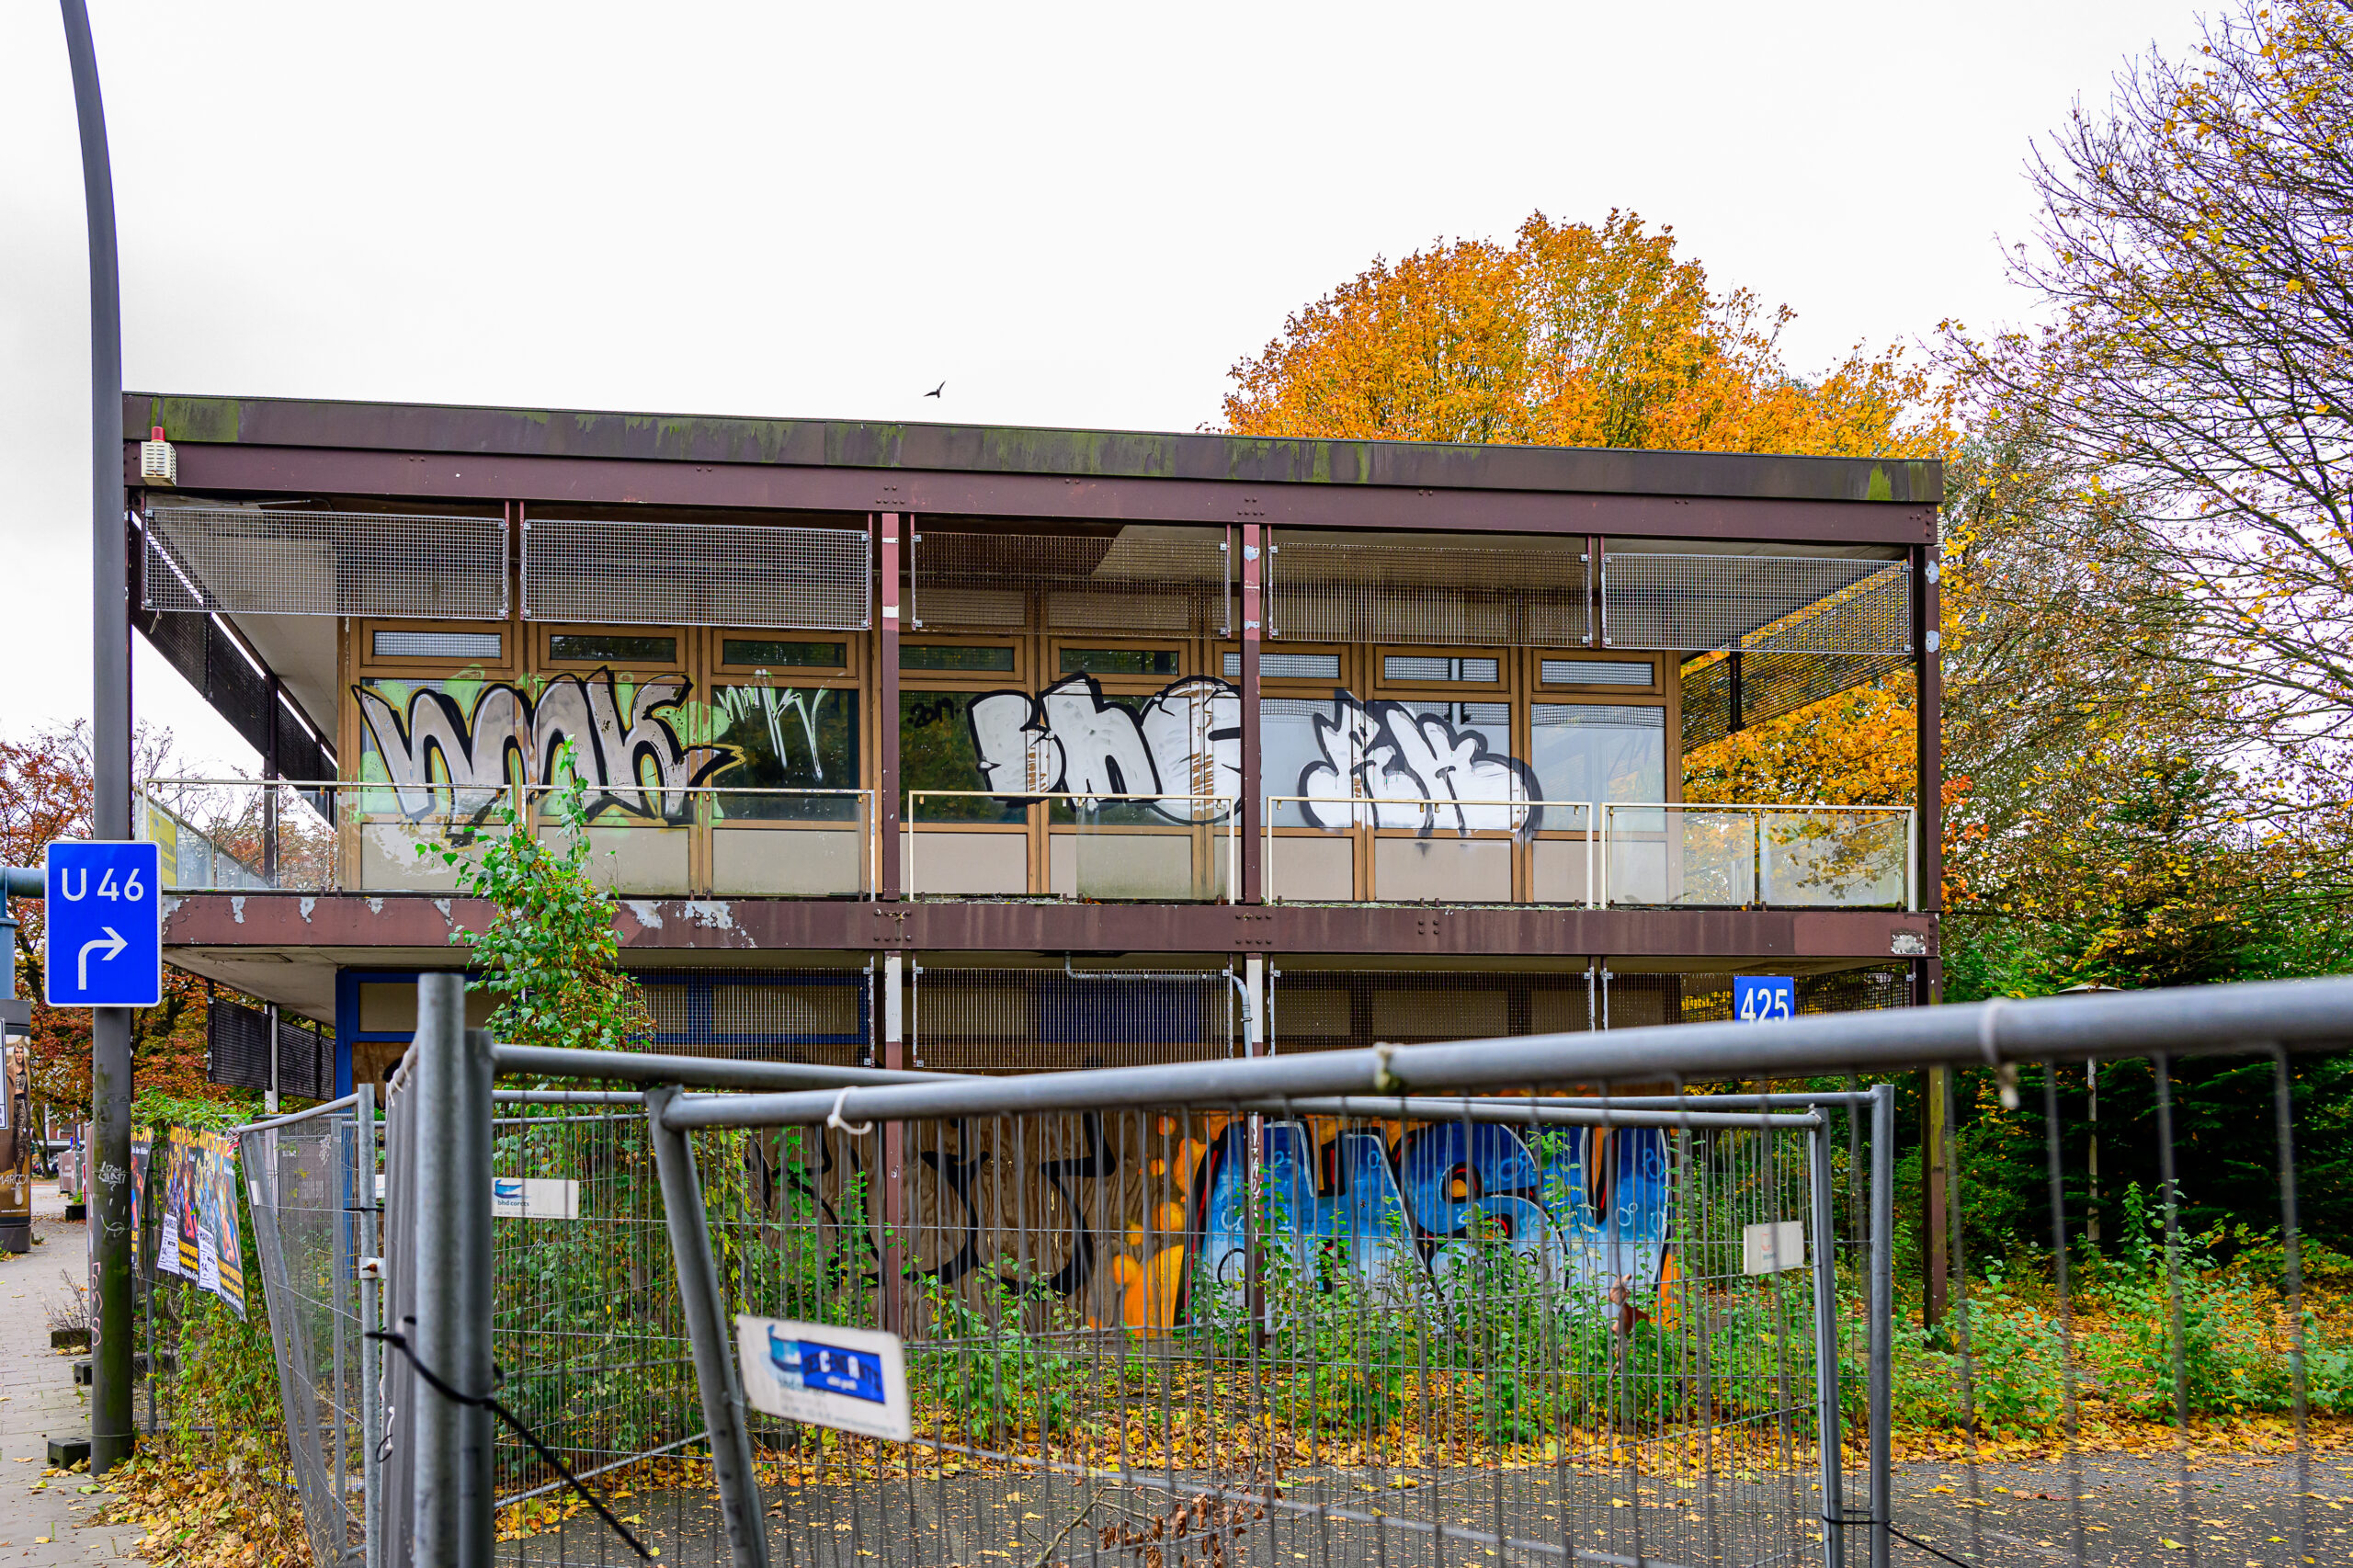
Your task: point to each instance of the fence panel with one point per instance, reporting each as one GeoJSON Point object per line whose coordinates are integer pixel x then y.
{"type": "Point", "coordinates": [312, 1181]}
{"type": "Point", "coordinates": [1132, 1340]}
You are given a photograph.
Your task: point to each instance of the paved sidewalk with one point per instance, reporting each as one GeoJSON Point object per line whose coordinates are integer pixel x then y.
{"type": "Point", "coordinates": [40, 1518]}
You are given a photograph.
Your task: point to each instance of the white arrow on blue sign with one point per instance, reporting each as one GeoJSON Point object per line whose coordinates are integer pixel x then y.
{"type": "Point", "coordinates": [105, 925]}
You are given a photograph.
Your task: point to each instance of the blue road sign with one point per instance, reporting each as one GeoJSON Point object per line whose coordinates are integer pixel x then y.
{"type": "Point", "coordinates": [1758, 997]}
{"type": "Point", "coordinates": [105, 926]}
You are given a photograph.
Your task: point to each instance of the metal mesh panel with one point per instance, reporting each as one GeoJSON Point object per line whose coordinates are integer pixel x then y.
{"type": "Point", "coordinates": [1138, 581]}
{"type": "Point", "coordinates": [236, 1052]}
{"type": "Point", "coordinates": [312, 1185]}
{"type": "Point", "coordinates": [696, 574]}
{"type": "Point", "coordinates": [1025, 1020]}
{"type": "Point", "coordinates": [1777, 603]}
{"type": "Point", "coordinates": [1771, 684]}
{"type": "Point", "coordinates": [236, 1045]}
{"type": "Point", "coordinates": [1480, 593]}
{"type": "Point", "coordinates": [1353, 1009]}
{"type": "Point", "coordinates": [254, 562]}
{"type": "Point", "coordinates": [775, 1014]}
{"type": "Point", "coordinates": [1634, 1001]}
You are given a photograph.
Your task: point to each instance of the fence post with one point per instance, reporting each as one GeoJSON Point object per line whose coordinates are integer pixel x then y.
{"type": "Point", "coordinates": [1882, 1318]}
{"type": "Point", "coordinates": [707, 1331]}
{"type": "Point", "coordinates": [369, 1210]}
{"type": "Point", "coordinates": [1825, 1340]}
{"type": "Point", "coordinates": [451, 1334]}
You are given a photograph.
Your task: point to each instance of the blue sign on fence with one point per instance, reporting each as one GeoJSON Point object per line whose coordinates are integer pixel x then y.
{"type": "Point", "coordinates": [1757, 997]}
{"type": "Point", "coordinates": [105, 926]}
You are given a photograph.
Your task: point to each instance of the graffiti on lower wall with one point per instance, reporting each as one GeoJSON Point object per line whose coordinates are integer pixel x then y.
{"type": "Point", "coordinates": [1184, 744]}
{"type": "Point", "coordinates": [1387, 1208]}
{"type": "Point", "coordinates": [1138, 1220]}
{"type": "Point", "coordinates": [625, 746]}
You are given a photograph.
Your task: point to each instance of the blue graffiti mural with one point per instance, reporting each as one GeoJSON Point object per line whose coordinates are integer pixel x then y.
{"type": "Point", "coordinates": [1401, 1217]}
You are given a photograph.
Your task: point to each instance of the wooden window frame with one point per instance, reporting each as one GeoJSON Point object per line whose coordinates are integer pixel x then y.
{"type": "Point", "coordinates": [1539, 687]}
{"type": "Point", "coordinates": [1424, 690]}
{"type": "Point", "coordinates": [851, 672]}
{"type": "Point", "coordinates": [1292, 686]}
{"type": "Point", "coordinates": [366, 664]}
{"type": "Point", "coordinates": [1051, 673]}
{"type": "Point", "coordinates": [683, 660]}
{"type": "Point", "coordinates": [968, 680]}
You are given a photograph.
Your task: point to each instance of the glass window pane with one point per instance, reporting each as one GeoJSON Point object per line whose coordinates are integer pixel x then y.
{"type": "Point", "coordinates": [1288, 666]}
{"type": "Point", "coordinates": [1119, 661]}
{"type": "Point", "coordinates": [936, 751]}
{"type": "Point", "coordinates": [1598, 672]}
{"type": "Point", "coordinates": [955, 656]}
{"type": "Point", "coordinates": [792, 655]}
{"type": "Point", "coordinates": [1289, 752]}
{"type": "Point", "coordinates": [1438, 667]}
{"type": "Point", "coordinates": [1590, 752]}
{"type": "Point", "coordinates": [483, 645]}
{"type": "Point", "coordinates": [786, 738]}
{"type": "Point", "coordinates": [604, 647]}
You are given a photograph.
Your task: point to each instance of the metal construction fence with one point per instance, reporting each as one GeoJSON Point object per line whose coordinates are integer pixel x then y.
{"type": "Point", "coordinates": [311, 1180]}
{"type": "Point", "coordinates": [1528, 1299]}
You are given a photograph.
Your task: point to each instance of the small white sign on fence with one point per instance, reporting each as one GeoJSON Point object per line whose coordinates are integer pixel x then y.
{"type": "Point", "coordinates": [534, 1197]}
{"type": "Point", "coordinates": [853, 1379]}
{"type": "Point", "coordinates": [1772, 1248]}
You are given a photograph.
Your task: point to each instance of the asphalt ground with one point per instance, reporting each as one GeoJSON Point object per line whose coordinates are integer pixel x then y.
{"type": "Point", "coordinates": [2110, 1508]}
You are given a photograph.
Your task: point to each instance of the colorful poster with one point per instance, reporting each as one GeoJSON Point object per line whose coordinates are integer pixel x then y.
{"type": "Point", "coordinates": [176, 1242]}
{"type": "Point", "coordinates": [143, 1144]}
{"type": "Point", "coordinates": [211, 1252]}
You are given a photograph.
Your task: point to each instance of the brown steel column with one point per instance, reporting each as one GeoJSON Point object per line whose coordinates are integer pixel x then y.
{"type": "Point", "coordinates": [1254, 798]}
{"type": "Point", "coordinates": [1928, 711]}
{"type": "Point", "coordinates": [1935, 1156]}
{"type": "Point", "coordinates": [886, 700]}
{"type": "Point", "coordinates": [1928, 973]}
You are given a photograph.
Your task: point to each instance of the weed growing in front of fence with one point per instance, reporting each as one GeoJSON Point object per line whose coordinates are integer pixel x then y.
{"type": "Point", "coordinates": [993, 1378]}
{"type": "Point", "coordinates": [2229, 1358]}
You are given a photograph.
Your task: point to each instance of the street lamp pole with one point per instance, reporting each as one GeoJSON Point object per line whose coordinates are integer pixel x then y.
{"type": "Point", "coordinates": [109, 1203]}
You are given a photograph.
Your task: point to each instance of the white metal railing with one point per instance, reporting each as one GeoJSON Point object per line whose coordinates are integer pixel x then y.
{"type": "Point", "coordinates": [1123, 859]}
{"type": "Point", "coordinates": [1417, 819]}
{"type": "Point", "coordinates": [347, 836]}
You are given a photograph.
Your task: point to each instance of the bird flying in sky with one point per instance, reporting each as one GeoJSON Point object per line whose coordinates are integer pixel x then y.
{"type": "Point", "coordinates": [937, 391]}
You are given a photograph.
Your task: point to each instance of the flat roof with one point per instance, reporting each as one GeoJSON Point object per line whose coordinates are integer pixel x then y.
{"type": "Point", "coordinates": [983, 450]}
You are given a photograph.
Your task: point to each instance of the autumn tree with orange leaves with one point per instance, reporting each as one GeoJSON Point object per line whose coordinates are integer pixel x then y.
{"type": "Point", "coordinates": [45, 794]}
{"type": "Point", "coordinates": [1571, 336]}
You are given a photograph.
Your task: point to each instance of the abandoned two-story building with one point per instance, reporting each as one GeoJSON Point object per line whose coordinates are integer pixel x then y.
{"type": "Point", "coordinates": [995, 750]}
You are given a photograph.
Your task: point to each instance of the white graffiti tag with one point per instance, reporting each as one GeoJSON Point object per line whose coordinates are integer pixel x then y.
{"type": "Point", "coordinates": [1184, 745]}
{"type": "Point", "coordinates": [633, 760]}
{"type": "Point", "coordinates": [1400, 759]}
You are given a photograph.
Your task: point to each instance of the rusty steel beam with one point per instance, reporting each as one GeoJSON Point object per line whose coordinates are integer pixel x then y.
{"type": "Point", "coordinates": [248, 470]}
{"type": "Point", "coordinates": [764, 927]}
{"type": "Point", "coordinates": [695, 440]}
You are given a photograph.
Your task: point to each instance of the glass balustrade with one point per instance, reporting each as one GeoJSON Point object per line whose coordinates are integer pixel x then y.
{"type": "Point", "coordinates": [245, 835]}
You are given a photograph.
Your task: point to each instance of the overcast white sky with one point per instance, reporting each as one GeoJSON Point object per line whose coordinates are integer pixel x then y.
{"type": "Point", "coordinates": [1075, 215]}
